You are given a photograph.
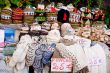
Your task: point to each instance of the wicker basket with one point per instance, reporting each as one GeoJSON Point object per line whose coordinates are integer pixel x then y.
{"type": "Point", "coordinates": [29, 19]}
{"type": "Point", "coordinates": [17, 16]}
{"type": "Point", "coordinates": [29, 15]}
{"type": "Point", "coordinates": [6, 16]}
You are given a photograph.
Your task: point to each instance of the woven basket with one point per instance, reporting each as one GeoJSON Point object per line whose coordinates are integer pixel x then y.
{"type": "Point", "coordinates": [6, 16]}
{"type": "Point", "coordinates": [28, 19]}
{"type": "Point", "coordinates": [17, 16]}
{"type": "Point", "coordinates": [29, 15]}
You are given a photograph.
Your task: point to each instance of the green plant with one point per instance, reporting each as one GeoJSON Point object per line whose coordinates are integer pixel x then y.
{"type": "Point", "coordinates": [20, 3]}
{"type": "Point", "coordinates": [76, 2]}
{"type": "Point", "coordinates": [100, 3]}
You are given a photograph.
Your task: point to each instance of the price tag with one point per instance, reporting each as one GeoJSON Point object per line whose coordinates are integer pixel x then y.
{"type": "Point", "coordinates": [95, 61]}
{"type": "Point", "coordinates": [61, 65]}
{"type": "Point", "coordinates": [85, 43]}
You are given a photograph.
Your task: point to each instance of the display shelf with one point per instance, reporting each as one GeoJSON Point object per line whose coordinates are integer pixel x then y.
{"type": "Point", "coordinates": [15, 26]}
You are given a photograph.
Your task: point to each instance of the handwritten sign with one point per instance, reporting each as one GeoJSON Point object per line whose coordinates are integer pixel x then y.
{"type": "Point", "coordinates": [85, 43]}
{"type": "Point", "coordinates": [95, 61]}
{"type": "Point", "coordinates": [61, 65]}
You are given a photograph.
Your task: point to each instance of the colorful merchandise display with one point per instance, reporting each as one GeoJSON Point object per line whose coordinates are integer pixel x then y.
{"type": "Point", "coordinates": [53, 38]}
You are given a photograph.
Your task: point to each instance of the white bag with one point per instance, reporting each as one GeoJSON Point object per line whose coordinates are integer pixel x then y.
{"type": "Point", "coordinates": [76, 53]}
{"type": "Point", "coordinates": [96, 59]}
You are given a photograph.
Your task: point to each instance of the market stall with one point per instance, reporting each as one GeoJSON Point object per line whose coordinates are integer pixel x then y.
{"type": "Point", "coordinates": [53, 38]}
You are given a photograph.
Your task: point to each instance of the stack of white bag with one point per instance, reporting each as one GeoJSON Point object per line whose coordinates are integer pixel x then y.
{"type": "Point", "coordinates": [85, 55]}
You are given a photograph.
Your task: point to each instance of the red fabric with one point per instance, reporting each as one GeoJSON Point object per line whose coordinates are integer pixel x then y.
{"type": "Point", "coordinates": [65, 17]}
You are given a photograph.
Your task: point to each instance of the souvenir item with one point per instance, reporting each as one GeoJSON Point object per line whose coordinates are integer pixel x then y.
{"type": "Point", "coordinates": [86, 16]}
{"type": "Point", "coordinates": [51, 7]}
{"type": "Point", "coordinates": [55, 26]}
{"type": "Point", "coordinates": [67, 40]}
{"type": "Point", "coordinates": [17, 16]}
{"type": "Point", "coordinates": [8, 50]}
{"type": "Point", "coordinates": [73, 52]}
{"type": "Point", "coordinates": [30, 54]}
{"type": "Point", "coordinates": [51, 13]}
{"type": "Point", "coordinates": [18, 58]}
{"type": "Point", "coordinates": [93, 33]}
{"type": "Point", "coordinates": [6, 14]}
{"type": "Point", "coordinates": [36, 27]}
{"type": "Point", "coordinates": [86, 33]}
{"type": "Point", "coordinates": [9, 35]}
{"type": "Point", "coordinates": [83, 9]}
{"type": "Point", "coordinates": [40, 16]}
{"type": "Point", "coordinates": [29, 15]}
{"type": "Point", "coordinates": [46, 26]}
{"type": "Point", "coordinates": [59, 5]}
{"type": "Point", "coordinates": [43, 55]}
{"type": "Point", "coordinates": [48, 54]}
{"type": "Point", "coordinates": [53, 36]}
{"type": "Point", "coordinates": [66, 29]}
{"type": "Point", "coordinates": [70, 7]}
{"type": "Point", "coordinates": [17, 34]}
{"type": "Point", "coordinates": [98, 17]}
{"type": "Point", "coordinates": [40, 7]}
{"type": "Point", "coordinates": [63, 15]}
{"type": "Point", "coordinates": [51, 16]}
{"type": "Point", "coordinates": [74, 17]}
